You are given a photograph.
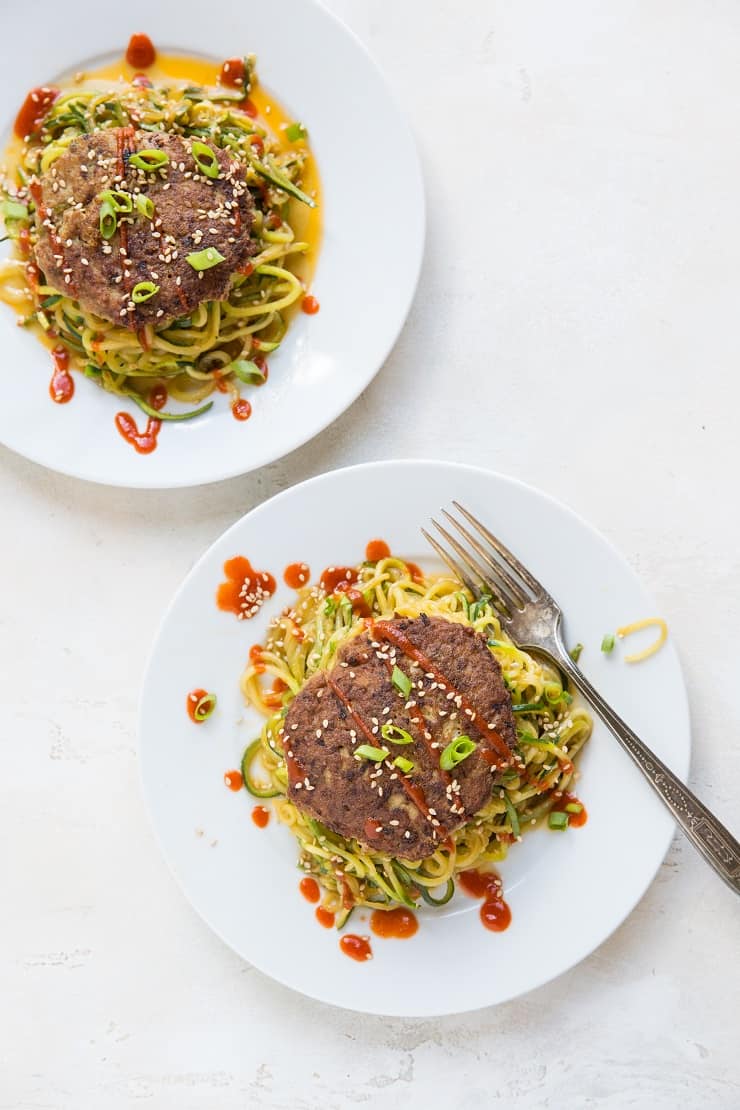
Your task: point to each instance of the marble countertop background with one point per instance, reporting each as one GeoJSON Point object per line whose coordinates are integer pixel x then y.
{"type": "Point", "coordinates": [576, 325]}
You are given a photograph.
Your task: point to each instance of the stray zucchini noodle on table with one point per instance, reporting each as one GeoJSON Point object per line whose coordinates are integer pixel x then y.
{"type": "Point", "coordinates": [158, 229]}
{"type": "Point", "coordinates": [407, 740]}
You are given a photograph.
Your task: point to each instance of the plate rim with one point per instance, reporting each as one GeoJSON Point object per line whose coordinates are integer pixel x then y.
{"type": "Point", "coordinates": [680, 767]}
{"type": "Point", "coordinates": [331, 412]}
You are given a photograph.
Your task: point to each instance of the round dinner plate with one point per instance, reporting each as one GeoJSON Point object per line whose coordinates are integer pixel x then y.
{"type": "Point", "coordinates": [368, 263]}
{"type": "Point", "coordinates": [567, 891]}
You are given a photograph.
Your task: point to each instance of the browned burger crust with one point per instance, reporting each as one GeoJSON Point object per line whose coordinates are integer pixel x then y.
{"type": "Point", "coordinates": [367, 801]}
{"type": "Point", "coordinates": [191, 212]}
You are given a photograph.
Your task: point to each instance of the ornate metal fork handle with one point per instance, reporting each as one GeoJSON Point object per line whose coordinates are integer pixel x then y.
{"type": "Point", "coordinates": [718, 846]}
{"type": "Point", "coordinates": [532, 618]}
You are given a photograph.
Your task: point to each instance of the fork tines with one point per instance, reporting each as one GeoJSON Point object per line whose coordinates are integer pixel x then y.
{"type": "Point", "coordinates": [483, 563]}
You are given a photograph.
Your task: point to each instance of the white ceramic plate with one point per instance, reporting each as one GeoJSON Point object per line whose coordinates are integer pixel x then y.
{"type": "Point", "coordinates": [373, 235]}
{"type": "Point", "coordinates": [575, 888]}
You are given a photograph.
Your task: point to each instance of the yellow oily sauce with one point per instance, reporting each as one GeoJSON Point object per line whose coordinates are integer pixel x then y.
{"type": "Point", "coordinates": [305, 221]}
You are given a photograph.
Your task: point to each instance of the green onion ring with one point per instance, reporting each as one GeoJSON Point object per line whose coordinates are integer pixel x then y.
{"type": "Point", "coordinates": [149, 160]}
{"type": "Point", "coordinates": [205, 159]}
{"type": "Point", "coordinates": [456, 751]}
{"type": "Point", "coordinates": [143, 291]}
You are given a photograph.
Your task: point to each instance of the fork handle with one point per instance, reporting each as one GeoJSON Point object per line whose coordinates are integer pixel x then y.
{"type": "Point", "coordinates": [716, 843]}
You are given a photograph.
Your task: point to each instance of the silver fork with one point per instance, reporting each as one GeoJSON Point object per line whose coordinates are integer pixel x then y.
{"type": "Point", "coordinates": [533, 620]}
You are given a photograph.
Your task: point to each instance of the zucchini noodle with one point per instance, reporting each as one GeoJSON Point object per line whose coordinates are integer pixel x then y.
{"type": "Point", "coordinates": [195, 354]}
{"type": "Point", "coordinates": [551, 730]}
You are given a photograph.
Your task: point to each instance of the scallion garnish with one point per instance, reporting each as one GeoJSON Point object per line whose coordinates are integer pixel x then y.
{"type": "Point", "coordinates": [513, 817]}
{"type": "Point", "coordinates": [455, 752]}
{"type": "Point", "coordinates": [368, 751]}
{"type": "Point", "coordinates": [294, 132]}
{"type": "Point", "coordinates": [574, 807]}
{"type": "Point", "coordinates": [144, 206]}
{"type": "Point", "coordinates": [204, 707]}
{"type": "Point", "coordinates": [49, 302]}
{"type": "Point", "coordinates": [108, 220]}
{"type": "Point", "coordinates": [575, 653]}
{"type": "Point", "coordinates": [395, 735]}
{"type": "Point", "coordinates": [528, 707]}
{"type": "Point", "coordinates": [558, 820]}
{"type": "Point", "coordinates": [607, 644]}
{"type": "Point", "coordinates": [149, 160]}
{"type": "Point", "coordinates": [401, 681]}
{"type": "Point", "coordinates": [403, 764]}
{"type": "Point", "coordinates": [247, 371]}
{"type": "Point", "coordinates": [205, 259]}
{"type": "Point", "coordinates": [330, 607]}
{"type": "Point", "coordinates": [205, 159]}
{"type": "Point", "coordinates": [143, 291]}
{"type": "Point", "coordinates": [118, 199]}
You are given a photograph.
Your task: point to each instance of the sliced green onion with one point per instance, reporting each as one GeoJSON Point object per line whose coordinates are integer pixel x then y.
{"type": "Point", "coordinates": [205, 159]}
{"type": "Point", "coordinates": [431, 900]}
{"type": "Point", "coordinates": [43, 319]}
{"type": "Point", "coordinates": [247, 371]}
{"type": "Point", "coordinates": [120, 201]}
{"type": "Point", "coordinates": [575, 652]}
{"type": "Point", "coordinates": [205, 259]}
{"type": "Point", "coordinates": [143, 291]}
{"type": "Point", "coordinates": [558, 820]}
{"type": "Point", "coordinates": [403, 764]}
{"type": "Point", "coordinates": [149, 160]}
{"type": "Point", "coordinates": [513, 817]}
{"type": "Point", "coordinates": [574, 807]}
{"type": "Point", "coordinates": [607, 644]}
{"type": "Point", "coordinates": [456, 751]}
{"type": "Point", "coordinates": [401, 681]}
{"type": "Point", "coordinates": [258, 790]}
{"type": "Point", "coordinates": [49, 302]}
{"type": "Point", "coordinates": [369, 751]}
{"type": "Point", "coordinates": [294, 132]}
{"type": "Point", "coordinates": [108, 220]}
{"type": "Point", "coordinates": [144, 206]}
{"type": "Point", "coordinates": [460, 748]}
{"type": "Point", "coordinates": [14, 210]}
{"type": "Point", "coordinates": [330, 607]}
{"type": "Point", "coordinates": [204, 707]}
{"type": "Point", "coordinates": [395, 735]}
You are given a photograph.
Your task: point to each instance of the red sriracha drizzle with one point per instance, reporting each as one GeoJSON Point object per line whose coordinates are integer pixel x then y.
{"type": "Point", "coordinates": [140, 52]}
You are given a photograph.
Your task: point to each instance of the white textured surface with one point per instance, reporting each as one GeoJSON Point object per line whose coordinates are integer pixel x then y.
{"type": "Point", "coordinates": [582, 166]}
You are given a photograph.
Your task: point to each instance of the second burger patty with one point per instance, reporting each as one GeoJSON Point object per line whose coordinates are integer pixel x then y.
{"type": "Point", "coordinates": [405, 815]}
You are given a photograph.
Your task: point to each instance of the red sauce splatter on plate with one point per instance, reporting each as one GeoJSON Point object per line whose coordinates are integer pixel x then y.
{"type": "Point", "coordinates": [309, 888]}
{"type": "Point", "coordinates": [325, 917]}
{"type": "Point", "coordinates": [241, 409]}
{"type": "Point", "coordinates": [232, 73]}
{"type": "Point", "coordinates": [310, 305]}
{"type": "Point", "coordinates": [61, 386]}
{"type": "Point", "coordinates": [261, 817]}
{"type": "Point", "coordinates": [377, 550]}
{"type": "Point", "coordinates": [296, 575]}
{"type": "Point", "coordinates": [399, 923]}
{"type": "Point", "coordinates": [191, 702]}
{"type": "Point", "coordinates": [234, 780]}
{"type": "Point", "coordinates": [495, 912]}
{"type": "Point", "coordinates": [357, 948]}
{"type": "Point", "coordinates": [332, 576]}
{"type": "Point", "coordinates": [140, 52]}
{"type": "Point", "coordinates": [146, 441]}
{"type": "Point", "coordinates": [33, 110]}
{"type": "Point", "coordinates": [245, 589]}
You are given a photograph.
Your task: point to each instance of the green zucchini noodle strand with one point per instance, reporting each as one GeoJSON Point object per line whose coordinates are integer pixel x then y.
{"type": "Point", "coordinates": [551, 731]}
{"type": "Point", "coordinates": [183, 354]}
